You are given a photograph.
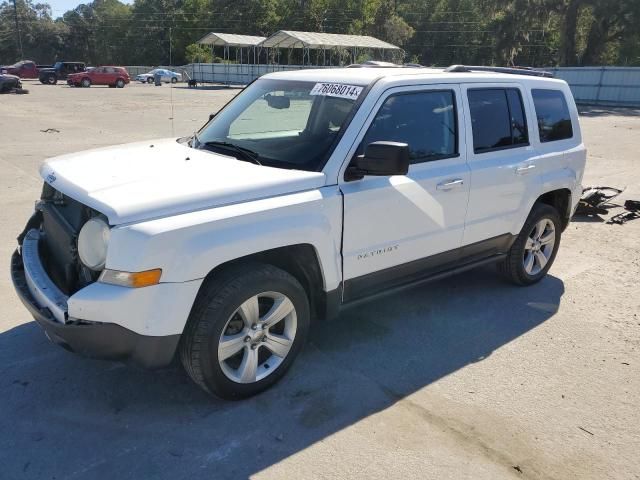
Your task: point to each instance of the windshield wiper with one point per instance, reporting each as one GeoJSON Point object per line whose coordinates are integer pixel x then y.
{"type": "Point", "coordinates": [246, 153]}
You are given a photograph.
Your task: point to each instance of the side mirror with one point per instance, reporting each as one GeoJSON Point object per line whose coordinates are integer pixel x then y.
{"type": "Point", "coordinates": [380, 159]}
{"type": "Point", "coordinates": [279, 102]}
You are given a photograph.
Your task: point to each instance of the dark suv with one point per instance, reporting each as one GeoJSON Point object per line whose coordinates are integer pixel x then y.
{"type": "Point", "coordinates": [60, 71]}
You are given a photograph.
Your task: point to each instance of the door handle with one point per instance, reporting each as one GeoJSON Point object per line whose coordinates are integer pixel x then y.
{"type": "Point", "coordinates": [449, 184]}
{"type": "Point", "coordinates": [523, 170]}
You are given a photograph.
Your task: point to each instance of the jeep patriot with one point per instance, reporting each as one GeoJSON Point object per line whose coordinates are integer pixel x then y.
{"type": "Point", "coordinates": [310, 191]}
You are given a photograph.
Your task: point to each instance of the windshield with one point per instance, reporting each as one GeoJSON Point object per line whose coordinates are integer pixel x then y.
{"type": "Point", "coordinates": [57, 64]}
{"type": "Point", "coordinates": [282, 123]}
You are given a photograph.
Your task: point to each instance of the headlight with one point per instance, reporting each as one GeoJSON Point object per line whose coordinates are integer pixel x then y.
{"type": "Point", "coordinates": [92, 243]}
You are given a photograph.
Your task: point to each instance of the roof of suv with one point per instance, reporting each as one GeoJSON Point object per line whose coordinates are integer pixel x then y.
{"type": "Point", "coordinates": [364, 76]}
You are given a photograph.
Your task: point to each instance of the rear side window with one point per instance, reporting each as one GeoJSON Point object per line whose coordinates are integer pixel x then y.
{"type": "Point", "coordinates": [426, 121]}
{"type": "Point", "coordinates": [552, 112]}
{"type": "Point", "coordinates": [497, 119]}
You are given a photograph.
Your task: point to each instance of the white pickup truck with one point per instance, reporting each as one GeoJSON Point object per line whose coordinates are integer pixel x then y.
{"type": "Point", "coordinates": [310, 191]}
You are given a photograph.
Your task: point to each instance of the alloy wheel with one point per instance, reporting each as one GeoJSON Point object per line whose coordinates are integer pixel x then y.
{"type": "Point", "coordinates": [539, 246]}
{"type": "Point", "coordinates": [257, 337]}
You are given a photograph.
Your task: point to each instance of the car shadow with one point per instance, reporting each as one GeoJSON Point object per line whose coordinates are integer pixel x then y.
{"type": "Point", "coordinates": [68, 417]}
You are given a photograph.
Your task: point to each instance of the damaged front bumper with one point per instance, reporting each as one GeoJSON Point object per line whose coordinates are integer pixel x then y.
{"type": "Point", "coordinates": [48, 306]}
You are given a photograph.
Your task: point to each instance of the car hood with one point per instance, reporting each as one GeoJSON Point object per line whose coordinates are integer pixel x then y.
{"type": "Point", "coordinates": [145, 180]}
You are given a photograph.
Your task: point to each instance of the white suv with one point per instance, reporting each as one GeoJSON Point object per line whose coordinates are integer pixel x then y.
{"type": "Point", "coordinates": [308, 192]}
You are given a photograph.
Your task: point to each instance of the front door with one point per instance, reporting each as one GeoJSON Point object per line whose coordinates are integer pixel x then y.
{"type": "Point", "coordinates": [397, 228]}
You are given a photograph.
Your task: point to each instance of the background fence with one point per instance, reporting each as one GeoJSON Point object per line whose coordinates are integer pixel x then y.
{"type": "Point", "coordinates": [610, 86]}
{"type": "Point", "coordinates": [607, 86]}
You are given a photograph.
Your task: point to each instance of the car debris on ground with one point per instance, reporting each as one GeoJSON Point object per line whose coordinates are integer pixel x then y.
{"type": "Point", "coordinates": [597, 201]}
{"type": "Point", "coordinates": [632, 208]}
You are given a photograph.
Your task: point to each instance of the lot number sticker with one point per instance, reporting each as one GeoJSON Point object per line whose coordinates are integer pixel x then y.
{"type": "Point", "coordinates": [336, 90]}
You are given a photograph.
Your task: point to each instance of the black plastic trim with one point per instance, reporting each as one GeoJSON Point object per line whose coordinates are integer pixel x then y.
{"type": "Point", "coordinates": [427, 269]}
{"type": "Point", "coordinates": [106, 341]}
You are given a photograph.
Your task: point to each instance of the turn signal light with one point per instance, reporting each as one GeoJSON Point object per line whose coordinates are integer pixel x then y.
{"type": "Point", "coordinates": [131, 279]}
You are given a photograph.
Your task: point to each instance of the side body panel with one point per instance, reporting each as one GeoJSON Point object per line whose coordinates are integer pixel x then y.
{"type": "Point", "coordinates": [188, 246]}
{"type": "Point", "coordinates": [389, 221]}
{"type": "Point", "coordinates": [503, 182]}
{"type": "Point", "coordinates": [560, 164]}
{"type": "Point", "coordinates": [506, 183]}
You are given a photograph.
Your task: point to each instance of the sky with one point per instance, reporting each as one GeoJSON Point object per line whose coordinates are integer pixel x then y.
{"type": "Point", "coordinates": [58, 7]}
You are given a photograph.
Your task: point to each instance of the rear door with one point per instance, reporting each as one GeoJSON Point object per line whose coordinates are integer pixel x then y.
{"type": "Point", "coordinates": [398, 228]}
{"type": "Point", "coordinates": [501, 158]}
{"type": "Point", "coordinates": [97, 76]}
{"type": "Point", "coordinates": [109, 76]}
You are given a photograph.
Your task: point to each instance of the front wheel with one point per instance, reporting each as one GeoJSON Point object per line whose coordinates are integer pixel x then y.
{"type": "Point", "coordinates": [52, 79]}
{"type": "Point", "coordinates": [149, 80]}
{"type": "Point", "coordinates": [174, 80]}
{"type": "Point", "coordinates": [86, 83]}
{"type": "Point", "coordinates": [535, 248]}
{"type": "Point", "coordinates": [245, 329]}
{"type": "Point", "coordinates": [120, 83]}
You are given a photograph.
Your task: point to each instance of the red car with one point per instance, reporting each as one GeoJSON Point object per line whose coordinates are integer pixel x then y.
{"type": "Point", "coordinates": [22, 69]}
{"type": "Point", "coordinates": [112, 76]}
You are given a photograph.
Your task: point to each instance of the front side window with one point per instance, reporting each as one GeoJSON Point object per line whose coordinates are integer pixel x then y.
{"type": "Point", "coordinates": [497, 119]}
{"type": "Point", "coordinates": [426, 121]}
{"type": "Point", "coordinates": [552, 112]}
{"type": "Point", "coordinates": [283, 123]}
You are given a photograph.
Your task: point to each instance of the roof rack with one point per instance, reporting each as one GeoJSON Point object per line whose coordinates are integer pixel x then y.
{"type": "Point", "coordinates": [378, 64]}
{"type": "Point", "coordinates": [510, 70]}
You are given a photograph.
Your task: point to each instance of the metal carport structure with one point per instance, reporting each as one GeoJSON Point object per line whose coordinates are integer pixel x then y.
{"type": "Point", "coordinates": [322, 43]}
{"type": "Point", "coordinates": [244, 47]}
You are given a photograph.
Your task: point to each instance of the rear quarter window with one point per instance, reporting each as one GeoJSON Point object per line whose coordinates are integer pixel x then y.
{"type": "Point", "coordinates": [552, 113]}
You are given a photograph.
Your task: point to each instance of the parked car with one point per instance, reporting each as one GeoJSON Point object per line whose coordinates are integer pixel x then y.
{"type": "Point", "coordinates": [111, 76]}
{"type": "Point", "coordinates": [309, 192]}
{"type": "Point", "coordinates": [10, 84]}
{"type": "Point", "coordinates": [22, 69]}
{"type": "Point", "coordinates": [60, 71]}
{"type": "Point", "coordinates": [166, 75]}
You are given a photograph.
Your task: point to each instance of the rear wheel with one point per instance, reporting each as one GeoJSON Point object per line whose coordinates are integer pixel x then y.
{"type": "Point", "coordinates": [85, 83]}
{"type": "Point", "coordinates": [120, 83]}
{"type": "Point", "coordinates": [535, 249]}
{"type": "Point", "coordinates": [245, 330]}
{"type": "Point", "coordinates": [174, 80]}
{"type": "Point", "coordinates": [52, 79]}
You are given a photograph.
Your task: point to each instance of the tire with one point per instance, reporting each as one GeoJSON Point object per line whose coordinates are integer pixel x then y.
{"type": "Point", "coordinates": [216, 312]}
{"type": "Point", "coordinates": [119, 83]}
{"type": "Point", "coordinates": [174, 80]}
{"type": "Point", "coordinates": [52, 79]}
{"type": "Point", "coordinates": [539, 239]}
{"type": "Point", "coordinates": [85, 83]}
{"type": "Point", "coordinates": [149, 80]}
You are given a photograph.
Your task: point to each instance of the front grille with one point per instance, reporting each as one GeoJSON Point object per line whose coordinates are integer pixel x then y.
{"type": "Point", "coordinates": [61, 220]}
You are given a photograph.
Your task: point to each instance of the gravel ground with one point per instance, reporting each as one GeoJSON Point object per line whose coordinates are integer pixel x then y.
{"type": "Point", "coordinates": [463, 378]}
